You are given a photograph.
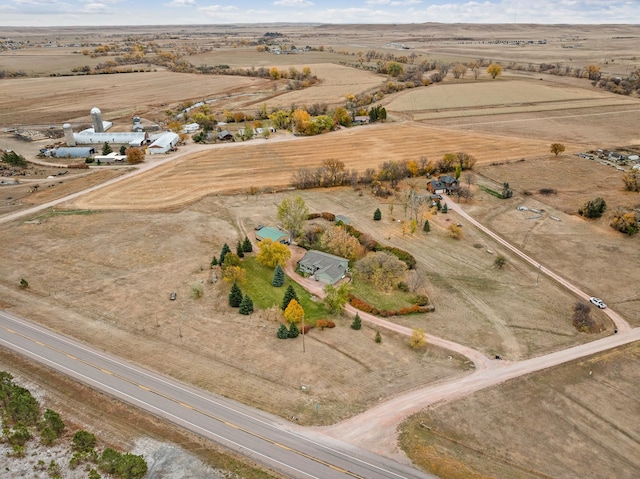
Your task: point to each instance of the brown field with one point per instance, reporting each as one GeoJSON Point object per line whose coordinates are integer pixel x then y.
{"type": "Point", "coordinates": [111, 269]}
{"type": "Point", "coordinates": [572, 421]}
{"type": "Point", "coordinates": [265, 163]}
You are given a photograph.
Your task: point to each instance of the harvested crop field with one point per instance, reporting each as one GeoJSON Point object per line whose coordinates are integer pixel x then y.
{"type": "Point", "coordinates": [50, 100]}
{"type": "Point", "coordinates": [502, 95]}
{"type": "Point", "coordinates": [270, 163]}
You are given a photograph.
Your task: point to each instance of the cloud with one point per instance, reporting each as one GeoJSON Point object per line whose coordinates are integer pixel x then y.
{"type": "Point", "coordinates": [181, 3]}
{"type": "Point", "coordinates": [393, 3]}
{"type": "Point", "coordinates": [293, 3]}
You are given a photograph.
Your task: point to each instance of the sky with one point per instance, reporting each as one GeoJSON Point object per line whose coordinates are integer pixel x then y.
{"type": "Point", "coordinates": [197, 12]}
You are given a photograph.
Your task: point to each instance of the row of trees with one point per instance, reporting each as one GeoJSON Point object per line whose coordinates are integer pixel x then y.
{"type": "Point", "coordinates": [334, 172]}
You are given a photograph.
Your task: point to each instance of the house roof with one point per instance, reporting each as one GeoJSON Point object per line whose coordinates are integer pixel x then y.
{"type": "Point", "coordinates": [274, 234]}
{"type": "Point", "coordinates": [328, 268]}
{"type": "Point", "coordinates": [448, 179]}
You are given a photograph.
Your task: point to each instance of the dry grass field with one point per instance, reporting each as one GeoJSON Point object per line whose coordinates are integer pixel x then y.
{"type": "Point", "coordinates": [117, 284]}
{"type": "Point", "coordinates": [104, 275]}
{"type": "Point", "coordinates": [572, 421]}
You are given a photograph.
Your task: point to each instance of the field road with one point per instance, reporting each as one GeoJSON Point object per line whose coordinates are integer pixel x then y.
{"type": "Point", "coordinates": [376, 429]}
{"type": "Point", "coordinates": [266, 439]}
{"type": "Point", "coordinates": [621, 324]}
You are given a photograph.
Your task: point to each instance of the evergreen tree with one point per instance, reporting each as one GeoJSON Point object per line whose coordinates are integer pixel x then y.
{"type": "Point", "coordinates": [445, 208]}
{"type": "Point", "coordinates": [293, 331]}
{"type": "Point", "coordinates": [223, 253]}
{"type": "Point", "coordinates": [278, 277]}
{"type": "Point", "coordinates": [246, 306]}
{"type": "Point", "coordinates": [123, 150]}
{"type": "Point", "coordinates": [289, 294]}
{"type": "Point", "coordinates": [378, 338]}
{"type": "Point", "coordinates": [235, 296]}
{"type": "Point", "coordinates": [240, 249]}
{"type": "Point", "coordinates": [214, 261]}
{"type": "Point", "coordinates": [106, 149]}
{"type": "Point", "coordinates": [247, 247]}
{"type": "Point", "coordinates": [427, 227]}
{"type": "Point", "coordinates": [377, 215]}
{"type": "Point", "coordinates": [283, 332]}
{"type": "Point", "coordinates": [357, 322]}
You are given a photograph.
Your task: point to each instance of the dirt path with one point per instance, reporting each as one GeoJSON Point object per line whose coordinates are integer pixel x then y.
{"type": "Point", "coordinates": [376, 429]}
{"type": "Point", "coordinates": [620, 323]}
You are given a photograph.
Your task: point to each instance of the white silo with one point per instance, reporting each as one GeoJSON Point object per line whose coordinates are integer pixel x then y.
{"type": "Point", "coordinates": [68, 134]}
{"type": "Point", "coordinates": [96, 115]}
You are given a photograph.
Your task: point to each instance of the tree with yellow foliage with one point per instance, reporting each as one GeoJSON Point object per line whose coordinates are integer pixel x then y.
{"type": "Point", "coordinates": [272, 254]}
{"type": "Point", "coordinates": [418, 339]}
{"type": "Point", "coordinates": [494, 70]}
{"type": "Point", "coordinates": [294, 312]}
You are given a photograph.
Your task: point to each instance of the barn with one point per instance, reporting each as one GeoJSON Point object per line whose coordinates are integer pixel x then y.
{"type": "Point", "coordinates": [164, 143]}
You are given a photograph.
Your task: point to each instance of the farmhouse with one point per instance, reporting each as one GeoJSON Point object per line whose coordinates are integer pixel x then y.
{"type": "Point", "coordinates": [225, 135]}
{"type": "Point", "coordinates": [444, 184]}
{"type": "Point", "coordinates": [324, 267]}
{"type": "Point", "coordinates": [274, 234]}
{"type": "Point", "coordinates": [164, 143]}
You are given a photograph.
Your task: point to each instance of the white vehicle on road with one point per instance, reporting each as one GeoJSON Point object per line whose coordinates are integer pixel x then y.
{"type": "Point", "coordinates": [598, 302]}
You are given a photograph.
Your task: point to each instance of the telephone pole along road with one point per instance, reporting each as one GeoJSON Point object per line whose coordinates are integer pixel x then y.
{"type": "Point", "coordinates": [266, 439]}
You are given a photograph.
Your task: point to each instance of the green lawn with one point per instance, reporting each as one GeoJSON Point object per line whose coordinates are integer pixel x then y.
{"type": "Point", "coordinates": [259, 289]}
{"type": "Point", "coordinates": [393, 300]}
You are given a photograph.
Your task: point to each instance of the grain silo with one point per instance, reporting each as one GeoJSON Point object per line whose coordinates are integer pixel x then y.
{"type": "Point", "coordinates": [68, 134]}
{"type": "Point", "coordinates": [96, 115]}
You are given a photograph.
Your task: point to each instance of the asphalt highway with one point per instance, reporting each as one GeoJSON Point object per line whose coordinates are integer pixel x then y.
{"type": "Point", "coordinates": [264, 438]}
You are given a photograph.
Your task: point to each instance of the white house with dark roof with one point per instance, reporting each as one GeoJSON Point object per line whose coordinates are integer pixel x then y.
{"type": "Point", "coordinates": [324, 267]}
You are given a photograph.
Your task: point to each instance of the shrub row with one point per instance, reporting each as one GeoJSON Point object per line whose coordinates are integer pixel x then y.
{"type": "Point", "coordinates": [373, 245]}
{"type": "Point", "coordinates": [367, 308]}
{"type": "Point", "coordinates": [324, 215]}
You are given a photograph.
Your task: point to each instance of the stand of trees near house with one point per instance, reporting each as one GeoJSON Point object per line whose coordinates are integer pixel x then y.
{"type": "Point", "coordinates": [334, 172]}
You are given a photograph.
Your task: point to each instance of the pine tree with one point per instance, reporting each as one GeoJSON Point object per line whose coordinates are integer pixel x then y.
{"type": "Point", "coordinates": [427, 227]}
{"type": "Point", "coordinates": [235, 296]}
{"type": "Point", "coordinates": [283, 332]}
{"type": "Point", "coordinates": [357, 322]}
{"type": "Point", "coordinates": [378, 338]}
{"type": "Point", "coordinates": [293, 331]}
{"type": "Point", "coordinates": [278, 277]}
{"type": "Point", "coordinates": [445, 208]}
{"type": "Point", "coordinates": [239, 250]}
{"type": "Point", "coordinates": [246, 306]}
{"type": "Point", "coordinates": [106, 149]}
{"type": "Point", "coordinates": [289, 294]}
{"type": "Point", "coordinates": [223, 253]}
{"type": "Point", "coordinates": [377, 214]}
{"type": "Point", "coordinates": [247, 247]}
{"type": "Point", "coordinates": [214, 261]}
